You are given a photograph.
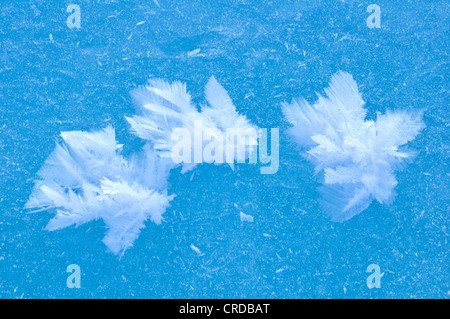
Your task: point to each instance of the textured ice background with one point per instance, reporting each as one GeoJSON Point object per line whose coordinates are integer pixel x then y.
{"type": "Point", "coordinates": [54, 79]}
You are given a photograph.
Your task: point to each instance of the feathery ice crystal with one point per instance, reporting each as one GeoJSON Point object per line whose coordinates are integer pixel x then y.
{"type": "Point", "coordinates": [165, 107]}
{"type": "Point", "coordinates": [86, 178]}
{"type": "Point", "coordinates": [358, 156]}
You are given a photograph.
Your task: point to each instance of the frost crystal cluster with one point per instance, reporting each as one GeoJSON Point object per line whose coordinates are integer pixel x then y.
{"type": "Point", "coordinates": [358, 157]}
{"type": "Point", "coordinates": [87, 178]}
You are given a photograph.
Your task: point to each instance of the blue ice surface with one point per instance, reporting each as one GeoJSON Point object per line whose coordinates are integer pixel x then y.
{"type": "Point", "coordinates": [55, 79]}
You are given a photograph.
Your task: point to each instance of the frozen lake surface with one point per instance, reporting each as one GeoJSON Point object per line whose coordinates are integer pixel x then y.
{"type": "Point", "coordinates": [227, 234]}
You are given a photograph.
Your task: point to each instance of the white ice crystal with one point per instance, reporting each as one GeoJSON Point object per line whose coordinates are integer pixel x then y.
{"type": "Point", "coordinates": [246, 218]}
{"type": "Point", "coordinates": [86, 178]}
{"type": "Point", "coordinates": [164, 107]}
{"type": "Point", "coordinates": [358, 157]}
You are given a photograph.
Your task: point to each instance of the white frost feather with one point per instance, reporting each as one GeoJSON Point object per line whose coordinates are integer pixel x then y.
{"type": "Point", "coordinates": [86, 178]}
{"type": "Point", "coordinates": [358, 157]}
{"type": "Point", "coordinates": [164, 106]}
